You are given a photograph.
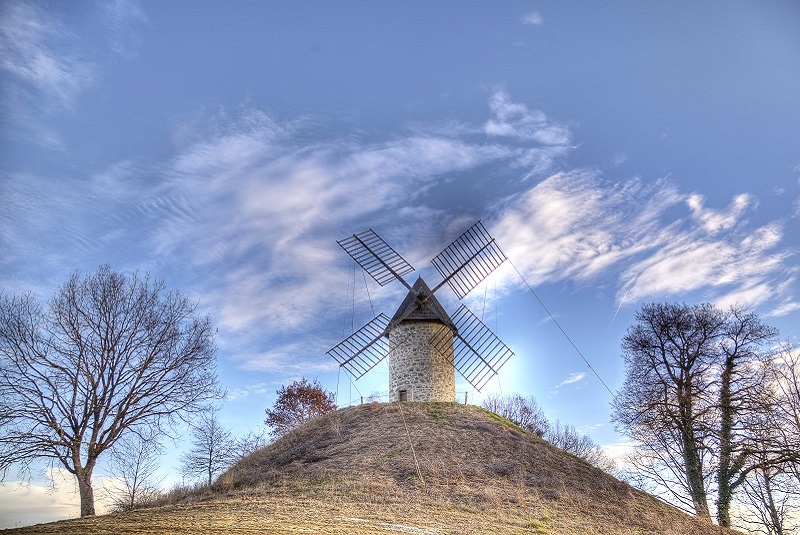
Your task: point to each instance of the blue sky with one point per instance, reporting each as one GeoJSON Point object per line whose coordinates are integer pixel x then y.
{"type": "Point", "coordinates": [619, 152]}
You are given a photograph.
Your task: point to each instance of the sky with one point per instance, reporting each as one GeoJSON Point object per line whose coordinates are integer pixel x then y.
{"type": "Point", "coordinates": [620, 153]}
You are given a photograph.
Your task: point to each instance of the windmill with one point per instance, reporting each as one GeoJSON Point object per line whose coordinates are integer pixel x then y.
{"type": "Point", "coordinates": [423, 343]}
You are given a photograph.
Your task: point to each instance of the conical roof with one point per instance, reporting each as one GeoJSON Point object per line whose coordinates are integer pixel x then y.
{"type": "Point", "coordinates": [421, 305]}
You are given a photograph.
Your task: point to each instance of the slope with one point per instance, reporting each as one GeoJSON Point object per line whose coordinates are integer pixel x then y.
{"type": "Point", "coordinates": [412, 467]}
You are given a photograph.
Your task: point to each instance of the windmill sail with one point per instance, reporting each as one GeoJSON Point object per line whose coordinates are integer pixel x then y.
{"type": "Point", "coordinates": [376, 257]}
{"type": "Point", "coordinates": [467, 261]}
{"type": "Point", "coordinates": [364, 349]}
{"type": "Point", "coordinates": [478, 354]}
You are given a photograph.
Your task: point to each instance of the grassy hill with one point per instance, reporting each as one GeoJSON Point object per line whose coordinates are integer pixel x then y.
{"type": "Point", "coordinates": [426, 468]}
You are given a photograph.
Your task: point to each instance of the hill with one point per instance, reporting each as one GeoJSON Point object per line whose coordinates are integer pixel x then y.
{"type": "Point", "coordinates": [429, 468]}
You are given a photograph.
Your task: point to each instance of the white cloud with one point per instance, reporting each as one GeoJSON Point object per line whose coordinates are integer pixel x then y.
{"type": "Point", "coordinates": [514, 120]}
{"type": "Point", "coordinates": [291, 358]}
{"type": "Point", "coordinates": [41, 71]}
{"type": "Point", "coordinates": [260, 390]}
{"type": "Point", "coordinates": [533, 18]}
{"type": "Point", "coordinates": [618, 159]}
{"type": "Point", "coordinates": [250, 219]}
{"type": "Point", "coordinates": [619, 452]}
{"type": "Point", "coordinates": [713, 220]}
{"type": "Point", "coordinates": [248, 196]}
{"type": "Point", "coordinates": [35, 49]}
{"type": "Point", "coordinates": [730, 268]}
{"type": "Point", "coordinates": [576, 226]}
{"type": "Point", "coordinates": [787, 306]}
{"type": "Point", "coordinates": [38, 502]}
{"type": "Point", "coordinates": [572, 379]}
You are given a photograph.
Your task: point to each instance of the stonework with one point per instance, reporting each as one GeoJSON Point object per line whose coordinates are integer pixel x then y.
{"type": "Point", "coordinates": [416, 367]}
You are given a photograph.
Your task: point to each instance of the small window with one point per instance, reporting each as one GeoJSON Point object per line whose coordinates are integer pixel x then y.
{"type": "Point", "coordinates": [402, 395]}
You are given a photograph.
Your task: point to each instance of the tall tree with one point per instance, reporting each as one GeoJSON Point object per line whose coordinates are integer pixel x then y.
{"type": "Point", "coordinates": [772, 488]}
{"type": "Point", "coordinates": [297, 403]}
{"type": "Point", "coordinates": [666, 400]}
{"type": "Point", "coordinates": [111, 354]}
{"type": "Point", "coordinates": [212, 448]}
{"type": "Point", "coordinates": [745, 351]}
{"type": "Point", "coordinates": [695, 392]}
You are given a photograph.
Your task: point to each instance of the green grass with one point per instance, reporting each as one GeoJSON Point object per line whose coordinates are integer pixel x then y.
{"type": "Point", "coordinates": [538, 525]}
{"type": "Point", "coordinates": [503, 420]}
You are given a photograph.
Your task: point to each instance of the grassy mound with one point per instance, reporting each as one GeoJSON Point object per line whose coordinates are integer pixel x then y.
{"type": "Point", "coordinates": [412, 468]}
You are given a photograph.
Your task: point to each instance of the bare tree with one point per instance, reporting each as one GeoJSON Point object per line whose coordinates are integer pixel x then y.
{"type": "Point", "coordinates": [246, 444]}
{"type": "Point", "coordinates": [135, 463]}
{"type": "Point", "coordinates": [783, 422]}
{"type": "Point", "coordinates": [212, 449]}
{"type": "Point", "coordinates": [297, 403]}
{"type": "Point", "coordinates": [695, 386]}
{"type": "Point", "coordinates": [772, 488]}
{"type": "Point", "coordinates": [582, 446]}
{"type": "Point", "coordinates": [112, 354]}
{"type": "Point", "coordinates": [772, 496]}
{"type": "Point", "coordinates": [523, 411]}
{"type": "Point", "coordinates": [745, 350]}
{"type": "Point", "coordinates": [526, 413]}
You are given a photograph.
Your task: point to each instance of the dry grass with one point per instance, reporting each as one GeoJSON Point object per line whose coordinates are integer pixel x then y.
{"type": "Point", "coordinates": [354, 472]}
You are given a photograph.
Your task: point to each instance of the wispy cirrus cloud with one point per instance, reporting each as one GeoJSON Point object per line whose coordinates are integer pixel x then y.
{"type": "Point", "coordinates": [572, 379]}
{"type": "Point", "coordinates": [275, 209]}
{"type": "Point", "coordinates": [577, 226]}
{"type": "Point", "coordinates": [515, 120]}
{"type": "Point", "coordinates": [43, 72]}
{"type": "Point", "coordinates": [573, 225]}
{"type": "Point", "coordinates": [125, 21]}
{"type": "Point", "coordinates": [36, 50]}
{"type": "Point", "coordinates": [716, 220]}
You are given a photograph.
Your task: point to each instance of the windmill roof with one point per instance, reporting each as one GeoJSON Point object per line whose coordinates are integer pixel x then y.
{"type": "Point", "coordinates": [421, 305]}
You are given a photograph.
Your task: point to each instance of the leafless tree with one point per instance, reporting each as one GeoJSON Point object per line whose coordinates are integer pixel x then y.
{"type": "Point", "coordinates": [212, 449]}
{"type": "Point", "coordinates": [666, 400]}
{"type": "Point", "coordinates": [248, 443]}
{"type": "Point", "coordinates": [135, 463]}
{"type": "Point", "coordinates": [771, 496]}
{"type": "Point", "coordinates": [695, 384]}
{"type": "Point", "coordinates": [772, 488]}
{"type": "Point", "coordinates": [568, 438]}
{"type": "Point", "coordinates": [745, 352]}
{"type": "Point", "coordinates": [783, 422]}
{"type": "Point", "coordinates": [112, 354]}
{"type": "Point", "coordinates": [297, 403]}
{"type": "Point", "coordinates": [523, 411]}
{"type": "Point", "coordinates": [526, 413]}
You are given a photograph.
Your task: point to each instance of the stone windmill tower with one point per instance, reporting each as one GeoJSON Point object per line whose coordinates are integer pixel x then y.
{"type": "Point", "coordinates": [424, 345]}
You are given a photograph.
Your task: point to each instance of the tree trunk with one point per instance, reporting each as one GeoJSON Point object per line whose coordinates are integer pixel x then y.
{"type": "Point", "coordinates": [86, 492]}
{"type": "Point", "coordinates": [691, 454]}
{"type": "Point", "coordinates": [694, 477]}
{"type": "Point", "coordinates": [725, 470]}
{"type": "Point", "coordinates": [774, 516]}
{"type": "Point", "coordinates": [724, 500]}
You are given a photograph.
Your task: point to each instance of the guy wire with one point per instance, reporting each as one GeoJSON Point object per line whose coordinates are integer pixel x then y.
{"type": "Point", "coordinates": [561, 328]}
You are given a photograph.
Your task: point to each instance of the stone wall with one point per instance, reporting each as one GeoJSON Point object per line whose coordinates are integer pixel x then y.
{"type": "Point", "coordinates": [416, 367]}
